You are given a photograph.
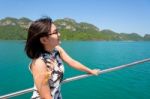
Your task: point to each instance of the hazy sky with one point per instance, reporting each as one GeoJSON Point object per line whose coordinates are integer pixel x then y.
{"type": "Point", "coordinates": [118, 15]}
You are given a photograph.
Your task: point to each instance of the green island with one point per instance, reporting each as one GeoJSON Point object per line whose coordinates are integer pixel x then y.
{"type": "Point", "coordinates": [16, 29]}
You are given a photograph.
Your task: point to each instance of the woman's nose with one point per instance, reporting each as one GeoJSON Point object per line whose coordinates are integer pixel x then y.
{"type": "Point", "coordinates": [58, 34]}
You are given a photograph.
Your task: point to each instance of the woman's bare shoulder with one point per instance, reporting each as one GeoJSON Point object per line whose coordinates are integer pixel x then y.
{"type": "Point", "coordinates": [59, 48]}
{"type": "Point", "coordinates": [38, 64]}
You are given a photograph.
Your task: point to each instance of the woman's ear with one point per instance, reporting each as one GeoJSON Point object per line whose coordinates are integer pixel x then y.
{"type": "Point", "coordinates": [43, 40]}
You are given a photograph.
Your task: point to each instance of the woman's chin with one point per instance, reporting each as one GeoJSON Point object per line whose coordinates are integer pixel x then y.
{"type": "Point", "coordinates": [59, 42]}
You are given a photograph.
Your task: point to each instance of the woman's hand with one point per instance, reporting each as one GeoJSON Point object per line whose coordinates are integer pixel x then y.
{"type": "Point", "coordinates": [95, 72]}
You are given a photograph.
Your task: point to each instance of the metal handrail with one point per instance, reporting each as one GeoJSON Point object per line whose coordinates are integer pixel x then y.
{"type": "Point", "coordinates": [76, 78]}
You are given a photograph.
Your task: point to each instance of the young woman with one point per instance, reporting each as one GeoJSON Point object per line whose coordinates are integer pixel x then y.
{"type": "Point", "coordinates": [43, 48]}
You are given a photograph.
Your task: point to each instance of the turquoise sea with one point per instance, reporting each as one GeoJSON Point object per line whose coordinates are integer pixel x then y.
{"type": "Point", "coordinates": [128, 83]}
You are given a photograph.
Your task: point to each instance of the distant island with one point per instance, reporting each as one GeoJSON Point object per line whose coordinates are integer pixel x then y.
{"type": "Point", "coordinates": [16, 29]}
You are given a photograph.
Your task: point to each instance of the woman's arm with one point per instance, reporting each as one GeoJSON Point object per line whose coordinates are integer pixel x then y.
{"type": "Point", "coordinates": [40, 75]}
{"type": "Point", "coordinates": [75, 64]}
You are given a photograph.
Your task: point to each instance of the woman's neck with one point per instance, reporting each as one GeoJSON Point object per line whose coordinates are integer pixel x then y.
{"type": "Point", "coordinates": [49, 49]}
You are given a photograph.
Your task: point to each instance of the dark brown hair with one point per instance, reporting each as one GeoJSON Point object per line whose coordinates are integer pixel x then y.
{"type": "Point", "coordinates": [37, 29]}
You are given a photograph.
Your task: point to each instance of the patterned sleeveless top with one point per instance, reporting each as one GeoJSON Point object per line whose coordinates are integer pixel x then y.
{"type": "Point", "coordinates": [56, 75]}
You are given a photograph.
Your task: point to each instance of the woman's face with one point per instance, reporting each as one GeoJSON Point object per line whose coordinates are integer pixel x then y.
{"type": "Point", "coordinates": [53, 38]}
{"type": "Point", "coordinates": [54, 35]}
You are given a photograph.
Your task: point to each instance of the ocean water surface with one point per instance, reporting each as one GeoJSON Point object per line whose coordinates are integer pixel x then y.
{"type": "Point", "coordinates": [128, 83]}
